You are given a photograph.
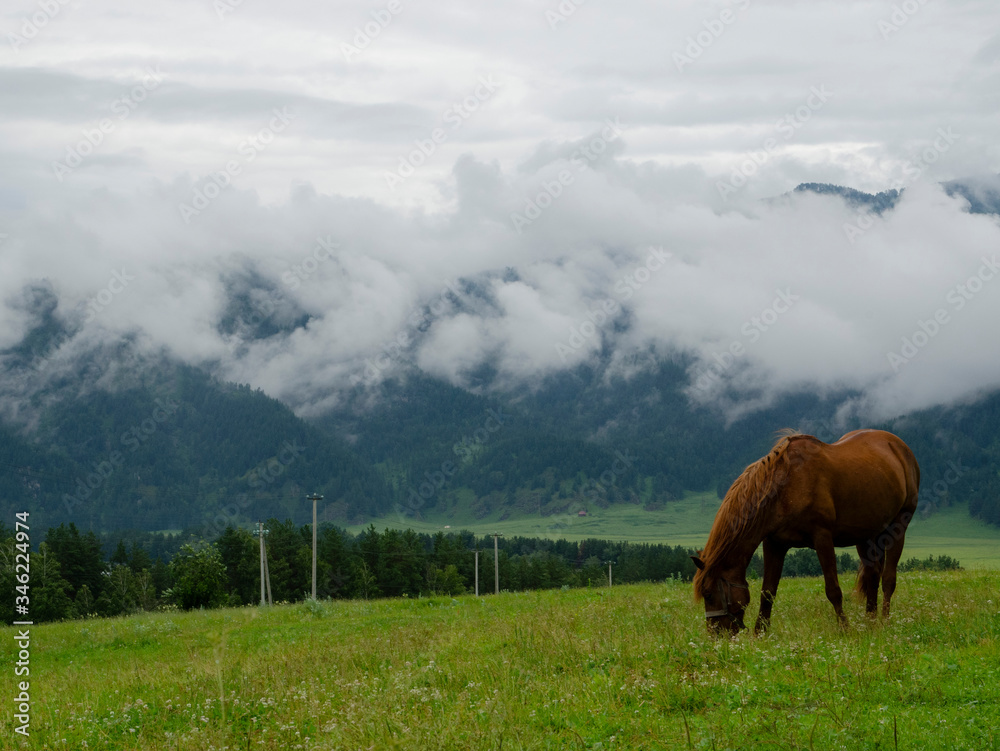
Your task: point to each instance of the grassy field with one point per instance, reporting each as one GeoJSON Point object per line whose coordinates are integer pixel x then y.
{"type": "Point", "coordinates": [951, 531]}
{"type": "Point", "coordinates": [624, 668]}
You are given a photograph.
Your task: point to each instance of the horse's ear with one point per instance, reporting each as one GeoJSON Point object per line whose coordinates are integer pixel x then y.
{"type": "Point", "coordinates": [698, 562]}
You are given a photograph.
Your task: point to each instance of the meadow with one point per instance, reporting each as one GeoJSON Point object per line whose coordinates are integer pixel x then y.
{"type": "Point", "coordinates": [628, 667]}
{"type": "Point", "coordinates": [949, 531]}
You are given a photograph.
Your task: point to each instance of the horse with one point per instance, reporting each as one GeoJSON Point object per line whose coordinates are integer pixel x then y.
{"type": "Point", "coordinates": [861, 491]}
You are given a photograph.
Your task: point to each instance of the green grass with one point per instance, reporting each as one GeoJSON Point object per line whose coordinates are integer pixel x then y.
{"type": "Point", "coordinates": [950, 531]}
{"type": "Point", "coordinates": [953, 532]}
{"type": "Point", "coordinates": [690, 518]}
{"type": "Point", "coordinates": [624, 668]}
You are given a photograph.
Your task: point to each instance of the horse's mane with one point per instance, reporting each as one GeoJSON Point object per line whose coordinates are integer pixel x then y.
{"type": "Point", "coordinates": [740, 511]}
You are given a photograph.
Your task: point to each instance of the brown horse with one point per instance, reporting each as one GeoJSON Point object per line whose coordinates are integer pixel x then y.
{"type": "Point", "coordinates": [861, 490]}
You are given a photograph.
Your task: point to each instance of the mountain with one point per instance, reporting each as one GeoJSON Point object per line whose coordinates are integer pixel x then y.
{"type": "Point", "coordinates": [982, 193]}
{"type": "Point", "coordinates": [174, 448]}
{"type": "Point", "coordinates": [878, 202]}
{"type": "Point", "coordinates": [105, 434]}
{"type": "Point", "coordinates": [564, 442]}
{"type": "Point", "coordinates": [170, 447]}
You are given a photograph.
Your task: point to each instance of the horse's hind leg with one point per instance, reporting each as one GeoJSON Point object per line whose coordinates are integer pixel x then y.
{"type": "Point", "coordinates": [893, 552]}
{"type": "Point", "coordinates": [872, 558]}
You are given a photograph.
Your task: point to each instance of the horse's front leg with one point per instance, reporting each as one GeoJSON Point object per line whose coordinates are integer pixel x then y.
{"type": "Point", "coordinates": [823, 542]}
{"type": "Point", "coordinates": [774, 561]}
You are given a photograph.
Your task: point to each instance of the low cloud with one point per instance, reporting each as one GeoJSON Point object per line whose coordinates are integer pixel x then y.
{"type": "Point", "coordinates": [544, 163]}
{"type": "Point", "coordinates": [333, 292]}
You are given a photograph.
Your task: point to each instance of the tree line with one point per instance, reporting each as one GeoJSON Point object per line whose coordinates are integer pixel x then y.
{"type": "Point", "coordinates": [71, 577]}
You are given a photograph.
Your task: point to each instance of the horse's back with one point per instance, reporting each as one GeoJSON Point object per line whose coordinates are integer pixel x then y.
{"type": "Point", "coordinates": [879, 451]}
{"type": "Point", "coordinates": [862, 482]}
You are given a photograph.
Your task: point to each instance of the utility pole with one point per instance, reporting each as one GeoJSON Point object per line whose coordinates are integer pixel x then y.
{"type": "Point", "coordinates": [476, 551]}
{"type": "Point", "coordinates": [260, 534]}
{"type": "Point", "coordinates": [265, 575]}
{"type": "Point", "coordinates": [496, 564]}
{"type": "Point", "coordinates": [609, 573]}
{"type": "Point", "coordinates": [314, 497]}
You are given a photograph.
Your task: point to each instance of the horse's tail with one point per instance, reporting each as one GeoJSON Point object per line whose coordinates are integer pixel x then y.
{"type": "Point", "coordinates": [869, 572]}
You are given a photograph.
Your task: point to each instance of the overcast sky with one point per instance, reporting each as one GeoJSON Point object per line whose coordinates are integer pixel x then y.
{"type": "Point", "coordinates": [553, 179]}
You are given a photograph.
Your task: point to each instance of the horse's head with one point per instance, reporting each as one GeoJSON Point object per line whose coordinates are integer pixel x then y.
{"type": "Point", "coordinates": [726, 597]}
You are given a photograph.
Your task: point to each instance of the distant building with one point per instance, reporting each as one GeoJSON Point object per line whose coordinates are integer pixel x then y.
{"type": "Point", "coordinates": [582, 513]}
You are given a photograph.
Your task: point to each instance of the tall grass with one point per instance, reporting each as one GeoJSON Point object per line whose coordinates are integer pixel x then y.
{"type": "Point", "coordinates": [631, 668]}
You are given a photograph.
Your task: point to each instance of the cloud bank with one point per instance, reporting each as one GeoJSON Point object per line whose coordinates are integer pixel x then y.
{"type": "Point", "coordinates": [321, 293]}
{"type": "Point", "coordinates": [511, 192]}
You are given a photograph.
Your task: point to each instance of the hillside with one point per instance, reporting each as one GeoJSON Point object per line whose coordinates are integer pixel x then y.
{"type": "Point", "coordinates": [982, 193]}
{"type": "Point", "coordinates": [172, 448]}
{"type": "Point", "coordinates": [583, 442]}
